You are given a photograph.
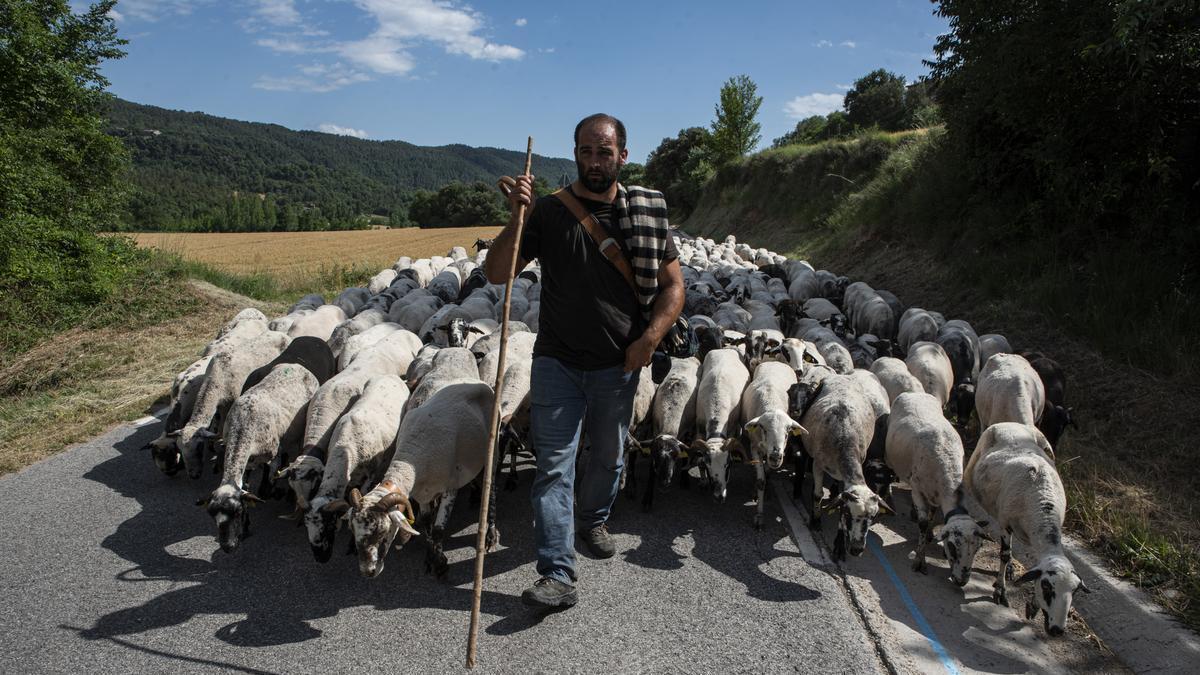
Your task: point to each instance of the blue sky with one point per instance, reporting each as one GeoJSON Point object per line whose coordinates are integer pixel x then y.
{"type": "Point", "coordinates": [434, 72]}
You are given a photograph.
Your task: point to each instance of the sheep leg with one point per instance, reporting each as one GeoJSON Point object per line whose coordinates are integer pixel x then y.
{"type": "Point", "coordinates": [511, 483]}
{"type": "Point", "coordinates": [922, 541]}
{"type": "Point", "coordinates": [814, 516]}
{"type": "Point", "coordinates": [800, 462]}
{"type": "Point", "coordinates": [839, 544]}
{"type": "Point", "coordinates": [685, 478]}
{"type": "Point", "coordinates": [648, 496]}
{"type": "Point", "coordinates": [435, 560]}
{"type": "Point", "coordinates": [999, 589]}
{"type": "Point", "coordinates": [760, 485]}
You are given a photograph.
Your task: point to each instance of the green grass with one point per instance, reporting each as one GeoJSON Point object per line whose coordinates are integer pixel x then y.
{"type": "Point", "coordinates": [273, 287]}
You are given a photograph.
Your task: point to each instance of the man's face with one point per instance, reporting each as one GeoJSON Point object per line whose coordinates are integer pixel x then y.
{"type": "Point", "coordinates": [598, 157]}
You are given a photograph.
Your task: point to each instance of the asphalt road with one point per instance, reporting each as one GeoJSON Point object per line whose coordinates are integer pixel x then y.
{"type": "Point", "coordinates": [109, 567]}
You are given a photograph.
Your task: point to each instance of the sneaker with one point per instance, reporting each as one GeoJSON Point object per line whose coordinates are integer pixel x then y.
{"type": "Point", "coordinates": [550, 592]}
{"type": "Point", "coordinates": [600, 542]}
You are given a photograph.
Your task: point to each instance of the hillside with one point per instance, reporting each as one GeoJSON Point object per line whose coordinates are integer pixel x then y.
{"type": "Point", "coordinates": [888, 209]}
{"type": "Point", "coordinates": [186, 164]}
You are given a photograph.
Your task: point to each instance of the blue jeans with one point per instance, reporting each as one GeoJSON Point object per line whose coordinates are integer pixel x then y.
{"type": "Point", "coordinates": [562, 401]}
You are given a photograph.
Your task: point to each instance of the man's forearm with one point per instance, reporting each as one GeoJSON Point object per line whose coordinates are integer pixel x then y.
{"type": "Point", "coordinates": [499, 258]}
{"type": "Point", "coordinates": [667, 306]}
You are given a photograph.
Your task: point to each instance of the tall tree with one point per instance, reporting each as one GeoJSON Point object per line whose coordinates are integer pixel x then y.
{"type": "Point", "coordinates": [734, 131]}
{"type": "Point", "coordinates": [877, 99]}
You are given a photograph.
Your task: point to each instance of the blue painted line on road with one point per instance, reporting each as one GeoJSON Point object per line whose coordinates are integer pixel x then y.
{"type": "Point", "coordinates": [926, 629]}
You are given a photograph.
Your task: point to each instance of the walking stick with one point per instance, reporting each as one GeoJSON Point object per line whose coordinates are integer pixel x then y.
{"type": "Point", "coordinates": [493, 430]}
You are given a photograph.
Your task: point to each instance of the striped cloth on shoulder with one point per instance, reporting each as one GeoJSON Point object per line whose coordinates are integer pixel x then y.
{"type": "Point", "coordinates": [642, 216]}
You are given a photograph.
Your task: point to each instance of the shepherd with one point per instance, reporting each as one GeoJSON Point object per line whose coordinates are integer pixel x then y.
{"type": "Point", "coordinates": [611, 290]}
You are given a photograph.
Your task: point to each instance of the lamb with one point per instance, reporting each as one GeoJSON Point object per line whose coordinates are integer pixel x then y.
{"type": "Point", "coordinates": [718, 415]}
{"type": "Point", "coordinates": [765, 404]}
{"type": "Point", "coordinates": [924, 450]}
{"type": "Point", "coordinates": [1011, 474]}
{"type": "Point", "coordinates": [222, 383]}
{"type": "Point", "coordinates": [839, 426]}
{"type": "Point", "coordinates": [1009, 390]}
{"type": "Point", "coordinates": [673, 422]}
{"type": "Point", "coordinates": [927, 361]}
{"type": "Point", "coordinates": [360, 447]}
{"type": "Point", "coordinates": [440, 448]}
{"type": "Point", "coordinates": [265, 420]}
{"type": "Point", "coordinates": [895, 377]}
{"type": "Point", "coordinates": [318, 324]}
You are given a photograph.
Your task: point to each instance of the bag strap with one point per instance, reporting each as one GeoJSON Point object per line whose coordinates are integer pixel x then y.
{"type": "Point", "coordinates": [608, 246]}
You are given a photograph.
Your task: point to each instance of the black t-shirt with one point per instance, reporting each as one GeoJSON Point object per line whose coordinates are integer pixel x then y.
{"type": "Point", "coordinates": [589, 315]}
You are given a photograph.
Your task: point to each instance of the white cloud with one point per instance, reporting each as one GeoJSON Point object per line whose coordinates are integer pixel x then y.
{"type": "Point", "coordinates": [522, 21]}
{"type": "Point", "coordinates": [848, 43]}
{"type": "Point", "coordinates": [813, 104]}
{"type": "Point", "coordinates": [153, 10]}
{"type": "Point", "coordinates": [278, 12]}
{"type": "Point", "coordinates": [316, 78]}
{"type": "Point", "coordinates": [341, 131]}
{"type": "Point", "coordinates": [822, 43]}
{"type": "Point", "coordinates": [843, 87]}
{"type": "Point", "coordinates": [116, 16]}
{"type": "Point", "coordinates": [547, 50]}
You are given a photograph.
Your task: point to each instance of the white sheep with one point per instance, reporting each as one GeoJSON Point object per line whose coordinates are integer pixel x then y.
{"type": "Point", "coordinates": [672, 424]}
{"type": "Point", "coordinates": [451, 365]}
{"type": "Point", "coordinates": [440, 448]}
{"type": "Point", "coordinates": [360, 447]}
{"type": "Point", "coordinates": [895, 377]}
{"type": "Point", "coordinates": [267, 419]}
{"type": "Point", "coordinates": [768, 426]}
{"type": "Point", "coordinates": [916, 325]}
{"type": "Point", "coordinates": [719, 415]}
{"type": "Point", "coordinates": [367, 318]}
{"type": "Point", "coordinates": [223, 381]}
{"type": "Point", "coordinates": [1009, 390]}
{"type": "Point", "coordinates": [926, 452]}
{"type": "Point", "coordinates": [1012, 476]}
{"type": "Point", "coordinates": [927, 361]}
{"type": "Point", "coordinates": [320, 323]}
{"type": "Point", "coordinates": [992, 344]}
{"type": "Point", "coordinates": [839, 425]}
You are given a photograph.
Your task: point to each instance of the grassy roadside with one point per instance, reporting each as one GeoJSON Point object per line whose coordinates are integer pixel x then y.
{"type": "Point", "coordinates": [1134, 491]}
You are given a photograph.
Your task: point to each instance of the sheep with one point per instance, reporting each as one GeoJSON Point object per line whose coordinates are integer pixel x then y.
{"type": "Point", "coordinates": [820, 309]}
{"type": "Point", "coordinates": [836, 355]}
{"type": "Point", "coordinates": [927, 361]}
{"type": "Point", "coordinates": [1009, 390]}
{"type": "Point", "coordinates": [876, 472]}
{"type": "Point", "coordinates": [440, 448]}
{"type": "Point", "coordinates": [732, 316]}
{"type": "Point", "coordinates": [673, 423]}
{"type": "Point", "coordinates": [307, 351]}
{"type": "Point", "coordinates": [800, 355]}
{"type": "Point", "coordinates": [351, 300]}
{"type": "Point", "coordinates": [391, 355]}
{"type": "Point", "coordinates": [356, 344]}
{"type": "Point", "coordinates": [718, 415]}
{"type": "Point", "coordinates": [895, 377]}
{"type": "Point", "coordinates": [451, 365]}
{"type": "Point", "coordinates": [359, 448]}
{"type": "Point", "coordinates": [446, 284]}
{"type": "Point", "coordinates": [873, 315]}
{"type": "Point", "coordinates": [310, 301]}
{"type": "Point", "coordinates": [263, 421]}
{"type": "Point", "coordinates": [803, 284]}
{"type": "Point", "coordinates": [925, 451]}
{"type": "Point", "coordinates": [765, 405]}
{"type": "Point", "coordinates": [839, 426]}
{"type": "Point", "coordinates": [222, 383]}
{"type": "Point", "coordinates": [164, 450]}
{"type": "Point", "coordinates": [381, 281]}
{"type": "Point", "coordinates": [1011, 474]}
{"type": "Point", "coordinates": [519, 348]}
{"type": "Point", "coordinates": [962, 347]}
{"type": "Point", "coordinates": [992, 344]}
{"type": "Point", "coordinates": [364, 320]}
{"type": "Point", "coordinates": [412, 315]}
{"type": "Point", "coordinates": [318, 324]}
{"type": "Point", "coordinates": [245, 325]}
{"type": "Point", "coordinates": [916, 325]}
{"type": "Point", "coordinates": [1056, 416]}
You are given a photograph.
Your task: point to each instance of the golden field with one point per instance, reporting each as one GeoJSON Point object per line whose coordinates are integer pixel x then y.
{"type": "Point", "coordinates": [287, 253]}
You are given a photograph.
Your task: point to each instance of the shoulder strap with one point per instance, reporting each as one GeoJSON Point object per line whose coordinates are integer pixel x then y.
{"type": "Point", "coordinates": [608, 246]}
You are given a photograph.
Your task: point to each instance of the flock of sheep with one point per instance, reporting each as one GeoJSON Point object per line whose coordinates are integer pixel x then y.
{"type": "Point", "coordinates": [374, 408]}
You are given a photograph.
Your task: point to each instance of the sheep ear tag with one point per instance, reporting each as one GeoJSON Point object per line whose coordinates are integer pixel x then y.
{"type": "Point", "coordinates": [798, 431]}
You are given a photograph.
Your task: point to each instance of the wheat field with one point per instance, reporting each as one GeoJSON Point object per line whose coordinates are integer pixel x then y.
{"type": "Point", "coordinates": [290, 253]}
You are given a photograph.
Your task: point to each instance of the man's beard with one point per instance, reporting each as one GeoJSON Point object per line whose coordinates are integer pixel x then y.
{"type": "Point", "coordinates": [597, 182]}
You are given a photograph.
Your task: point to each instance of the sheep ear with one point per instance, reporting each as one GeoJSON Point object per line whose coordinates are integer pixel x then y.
{"type": "Point", "coordinates": [754, 426]}
{"type": "Point", "coordinates": [884, 508]}
{"type": "Point", "coordinates": [1082, 587]}
{"type": "Point", "coordinates": [251, 498]}
{"type": "Point", "coordinates": [798, 430]}
{"type": "Point", "coordinates": [285, 472]}
{"type": "Point", "coordinates": [1028, 576]}
{"type": "Point", "coordinates": [403, 524]}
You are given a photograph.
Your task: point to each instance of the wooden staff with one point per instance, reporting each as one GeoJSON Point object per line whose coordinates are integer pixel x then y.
{"type": "Point", "coordinates": [493, 430]}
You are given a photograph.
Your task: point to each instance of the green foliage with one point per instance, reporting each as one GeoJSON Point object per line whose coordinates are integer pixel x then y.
{"type": "Point", "coordinates": [734, 131]}
{"type": "Point", "coordinates": [188, 166]}
{"type": "Point", "coordinates": [633, 174]}
{"type": "Point", "coordinates": [59, 173]}
{"type": "Point", "coordinates": [680, 167]}
{"type": "Point", "coordinates": [876, 99]}
{"type": "Point", "coordinates": [460, 205]}
{"type": "Point", "coordinates": [1089, 113]}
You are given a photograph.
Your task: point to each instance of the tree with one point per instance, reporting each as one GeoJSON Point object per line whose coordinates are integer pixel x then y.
{"type": "Point", "coordinates": [60, 174]}
{"type": "Point", "coordinates": [679, 167]}
{"type": "Point", "coordinates": [459, 205]}
{"type": "Point", "coordinates": [876, 99]}
{"type": "Point", "coordinates": [633, 174]}
{"type": "Point", "coordinates": [808, 130]}
{"type": "Point", "coordinates": [734, 131]}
